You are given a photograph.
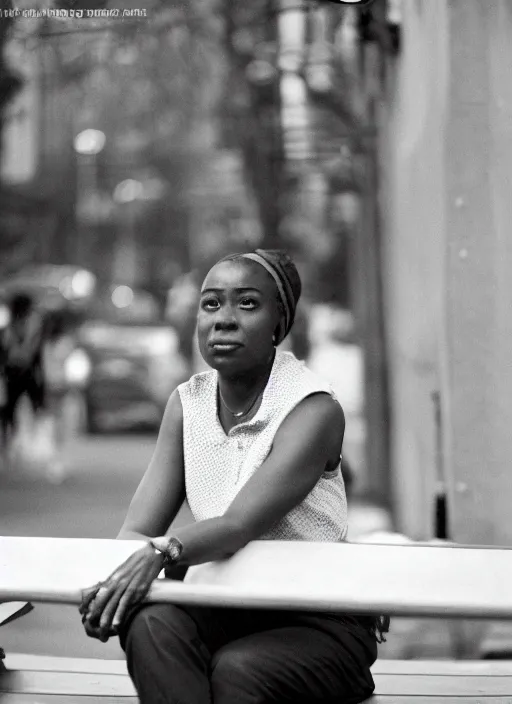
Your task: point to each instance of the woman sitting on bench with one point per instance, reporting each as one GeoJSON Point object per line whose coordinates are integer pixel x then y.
{"type": "Point", "coordinates": [254, 447]}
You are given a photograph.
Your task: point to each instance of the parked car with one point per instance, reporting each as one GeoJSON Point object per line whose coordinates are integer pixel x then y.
{"type": "Point", "coordinates": [135, 361]}
{"type": "Point", "coordinates": [53, 286]}
{"type": "Point", "coordinates": [133, 370]}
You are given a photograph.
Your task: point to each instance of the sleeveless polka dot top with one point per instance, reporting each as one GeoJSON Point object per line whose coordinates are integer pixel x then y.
{"type": "Point", "coordinates": [217, 464]}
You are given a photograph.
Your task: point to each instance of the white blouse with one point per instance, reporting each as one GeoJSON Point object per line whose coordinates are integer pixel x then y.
{"type": "Point", "coordinates": [218, 464]}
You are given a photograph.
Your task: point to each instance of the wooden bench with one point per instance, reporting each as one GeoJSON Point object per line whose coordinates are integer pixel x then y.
{"type": "Point", "coordinates": [45, 680]}
{"type": "Point", "coordinates": [405, 580]}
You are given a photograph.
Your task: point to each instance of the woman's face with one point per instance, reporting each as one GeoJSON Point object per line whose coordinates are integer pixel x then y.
{"type": "Point", "coordinates": [238, 315]}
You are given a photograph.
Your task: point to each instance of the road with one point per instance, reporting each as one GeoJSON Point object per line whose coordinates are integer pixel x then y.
{"type": "Point", "coordinates": [90, 503]}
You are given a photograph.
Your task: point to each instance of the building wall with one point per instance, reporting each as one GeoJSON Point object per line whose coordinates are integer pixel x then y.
{"type": "Point", "coordinates": [19, 138]}
{"type": "Point", "coordinates": [478, 261]}
{"type": "Point", "coordinates": [412, 202]}
{"type": "Point", "coordinates": [446, 173]}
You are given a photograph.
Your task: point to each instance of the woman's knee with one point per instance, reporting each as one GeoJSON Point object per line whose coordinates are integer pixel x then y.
{"type": "Point", "coordinates": [146, 625]}
{"type": "Point", "coordinates": [238, 676]}
{"type": "Point", "coordinates": [136, 625]}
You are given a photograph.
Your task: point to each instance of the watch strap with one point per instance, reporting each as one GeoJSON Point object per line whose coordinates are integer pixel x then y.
{"type": "Point", "coordinates": [171, 548]}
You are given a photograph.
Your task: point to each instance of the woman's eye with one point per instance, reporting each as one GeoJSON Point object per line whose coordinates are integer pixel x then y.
{"type": "Point", "coordinates": [209, 304]}
{"type": "Point", "coordinates": [249, 303]}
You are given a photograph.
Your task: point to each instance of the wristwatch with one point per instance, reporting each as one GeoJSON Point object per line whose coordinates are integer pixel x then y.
{"type": "Point", "coordinates": [171, 550]}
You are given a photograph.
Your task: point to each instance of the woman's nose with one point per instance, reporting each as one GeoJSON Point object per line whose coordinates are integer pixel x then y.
{"type": "Point", "coordinates": [226, 320]}
{"type": "Point", "coordinates": [226, 323]}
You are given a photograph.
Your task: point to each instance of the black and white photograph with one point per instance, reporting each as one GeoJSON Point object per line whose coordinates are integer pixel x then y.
{"type": "Point", "coordinates": [255, 351]}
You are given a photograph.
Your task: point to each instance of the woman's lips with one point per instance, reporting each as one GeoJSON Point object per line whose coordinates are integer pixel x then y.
{"type": "Point", "coordinates": [224, 346]}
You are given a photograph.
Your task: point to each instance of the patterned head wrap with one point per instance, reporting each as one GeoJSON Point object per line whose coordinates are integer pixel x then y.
{"type": "Point", "coordinates": [286, 278]}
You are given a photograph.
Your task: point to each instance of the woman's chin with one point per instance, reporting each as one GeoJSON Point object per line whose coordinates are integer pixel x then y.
{"type": "Point", "coordinates": [222, 362]}
{"type": "Point", "coordinates": [226, 364]}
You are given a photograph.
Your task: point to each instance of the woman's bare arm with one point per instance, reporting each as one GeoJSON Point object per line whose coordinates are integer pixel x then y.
{"type": "Point", "coordinates": [309, 437]}
{"type": "Point", "coordinates": [161, 491]}
{"type": "Point", "coordinates": [152, 509]}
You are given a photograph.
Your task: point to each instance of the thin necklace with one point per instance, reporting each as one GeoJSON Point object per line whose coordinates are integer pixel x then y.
{"type": "Point", "coordinates": [240, 414]}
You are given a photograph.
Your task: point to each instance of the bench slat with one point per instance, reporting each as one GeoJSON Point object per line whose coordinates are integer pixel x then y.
{"type": "Point", "coordinates": [66, 699]}
{"type": "Point", "coordinates": [378, 699]}
{"type": "Point", "coordinates": [408, 699]}
{"type": "Point", "coordinates": [22, 661]}
{"type": "Point", "coordinates": [461, 668]}
{"type": "Point", "coordinates": [51, 699]}
{"type": "Point", "coordinates": [466, 668]}
{"type": "Point", "coordinates": [442, 685]}
{"type": "Point", "coordinates": [270, 574]}
{"type": "Point", "coordinates": [451, 682]}
{"type": "Point", "coordinates": [47, 682]}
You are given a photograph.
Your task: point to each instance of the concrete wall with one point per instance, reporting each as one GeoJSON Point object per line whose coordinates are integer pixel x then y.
{"type": "Point", "coordinates": [412, 203]}
{"type": "Point", "coordinates": [478, 261]}
{"type": "Point", "coordinates": [447, 201]}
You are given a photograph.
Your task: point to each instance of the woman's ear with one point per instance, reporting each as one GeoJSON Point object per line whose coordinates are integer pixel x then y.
{"type": "Point", "coordinates": [277, 330]}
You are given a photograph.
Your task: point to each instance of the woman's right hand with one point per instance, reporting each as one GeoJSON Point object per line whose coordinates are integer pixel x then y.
{"type": "Point", "coordinates": [93, 631]}
{"type": "Point", "coordinates": [104, 605]}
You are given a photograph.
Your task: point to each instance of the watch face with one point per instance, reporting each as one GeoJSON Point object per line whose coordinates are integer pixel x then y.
{"type": "Point", "coordinates": [354, 3]}
{"type": "Point", "coordinates": [174, 549]}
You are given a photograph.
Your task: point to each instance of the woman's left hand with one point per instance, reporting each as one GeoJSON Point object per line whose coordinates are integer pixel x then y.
{"type": "Point", "coordinates": [105, 604]}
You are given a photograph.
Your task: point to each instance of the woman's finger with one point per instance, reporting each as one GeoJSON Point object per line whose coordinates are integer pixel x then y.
{"type": "Point", "coordinates": [98, 604]}
{"type": "Point", "coordinates": [136, 592]}
{"type": "Point", "coordinates": [129, 599]}
{"type": "Point", "coordinates": [94, 632]}
{"type": "Point", "coordinates": [109, 610]}
{"type": "Point", "coordinates": [87, 596]}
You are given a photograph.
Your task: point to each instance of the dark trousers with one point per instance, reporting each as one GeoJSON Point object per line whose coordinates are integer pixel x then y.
{"type": "Point", "coordinates": [17, 384]}
{"type": "Point", "coordinates": [198, 655]}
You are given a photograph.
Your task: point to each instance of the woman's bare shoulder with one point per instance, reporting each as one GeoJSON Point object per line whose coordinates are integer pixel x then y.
{"type": "Point", "coordinates": [173, 416]}
{"type": "Point", "coordinates": [318, 415]}
{"type": "Point", "coordinates": [326, 406]}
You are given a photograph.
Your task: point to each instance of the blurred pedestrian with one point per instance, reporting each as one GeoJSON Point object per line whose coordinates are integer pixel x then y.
{"type": "Point", "coordinates": [21, 344]}
{"type": "Point", "coordinates": [258, 440]}
{"type": "Point", "coordinates": [59, 345]}
{"type": "Point", "coordinates": [181, 309]}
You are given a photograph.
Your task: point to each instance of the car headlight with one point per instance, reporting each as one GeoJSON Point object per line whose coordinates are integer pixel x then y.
{"type": "Point", "coordinates": [77, 367]}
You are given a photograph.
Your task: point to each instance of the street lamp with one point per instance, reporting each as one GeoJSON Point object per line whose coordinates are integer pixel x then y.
{"type": "Point", "coordinates": [127, 193]}
{"type": "Point", "coordinates": [128, 190]}
{"type": "Point", "coordinates": [89, 142]}
{"type": "Point", "coordinates": [345, 186]}
{"type": "Point", "coordinates": [89, 206]}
